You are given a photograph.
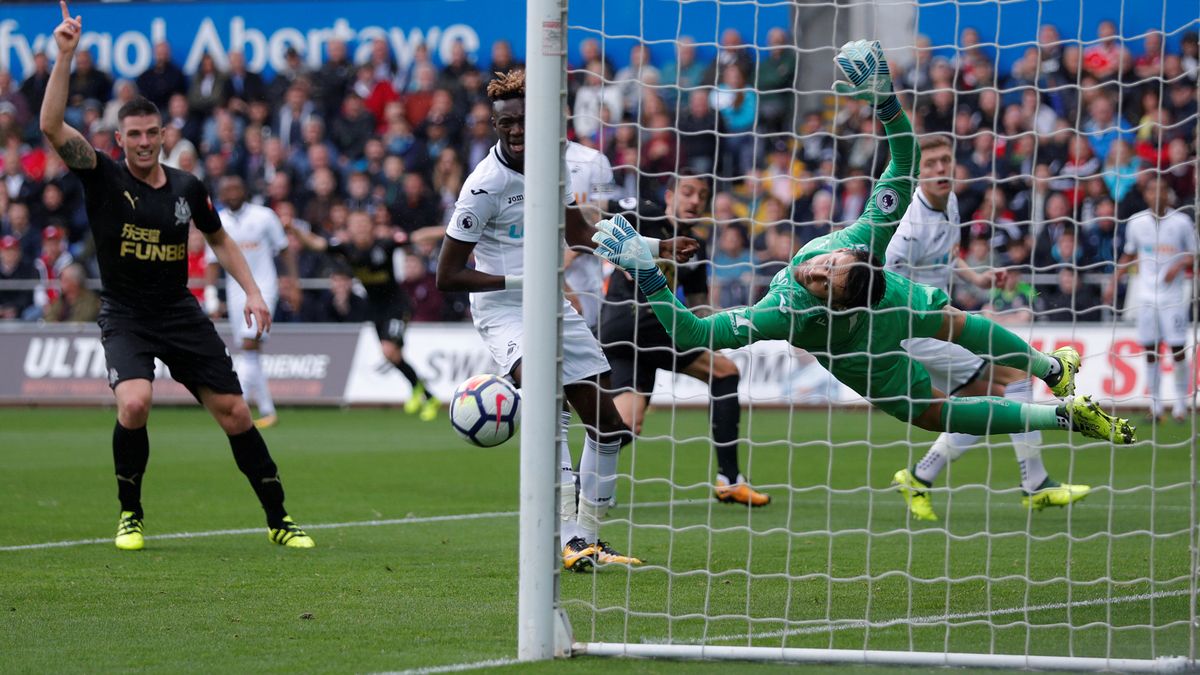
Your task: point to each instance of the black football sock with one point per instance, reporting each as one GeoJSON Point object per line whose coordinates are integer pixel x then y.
{"type": "Point", "coordinates": [250, 453]}
{"type": "Point", "coordinates": [131, 453]}
{"type": "Point", "coordinates": [411, 375]}
{"type": "Point", "coordinates": [726, 416]}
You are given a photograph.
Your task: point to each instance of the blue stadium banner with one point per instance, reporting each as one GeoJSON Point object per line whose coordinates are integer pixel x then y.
{"type": "Point", "coordinates": [121, 35]}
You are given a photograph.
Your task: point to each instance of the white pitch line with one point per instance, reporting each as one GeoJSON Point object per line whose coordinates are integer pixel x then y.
{"type": "Point", "coordinates": [941, 618]}
{"type": "Point", "coordinates": [810, 499]}
{"type": "Point", "coordinates": [259, 530]}
{"type": "Point", "coordinates": [455, 667]}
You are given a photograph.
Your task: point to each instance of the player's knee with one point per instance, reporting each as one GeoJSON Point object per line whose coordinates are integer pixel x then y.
{"type": "Point", "coordinates": [232, 413]}
{"type": "Point", "coordinates": [723, 367]}
{"type": "Point", "coordinates": [133, 411]}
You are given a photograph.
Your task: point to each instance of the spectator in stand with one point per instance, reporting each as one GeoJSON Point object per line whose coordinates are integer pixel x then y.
{"type": "Point", "coordinates": [732, 267]}
{"type": "Point", "coordinates": [776, 80]}
{"type": "Point", "coordinates": [1066, 251]}
{"type": "Point", "coordinates": [1103, 237]}
{"type": "Point", "coordinates": [424, 298]}
{"type": "Point", "coordinates": [633, 79]}
{"type": "Point", "coordinates": [359, 195]}
{"type": "Point", "coordinates": [502, 57]}
{"type": "Point", "coordinates": [1104, 127]}
{"type": "Point", "coordinates": [1106, 59]}
{"type": "Point", "coordinates": [50, 264]}
{"type": "Point", "coordinates": [733, 52]}
{"type": "Point", "coordinates": [458, 67]}
{"type": "Point", "coordinates": [294, 69]}
{"type": "Point", "coordinates": [682, 75]}
{"type": "Point", "coordinates": [1011, 303]}
{"type": "Point", "coordinates": [18, 225]}
{"type": "Point", "coordinates": [419, 98]}
{"type": "Point", "coordinates": [86, 84]}
{"type": "Point", "coordinates": [352, 128]}
{"type": "Point", "coordinates": [1121, 170]}
{"type": "Point", "coordinates": [241, 86]}
{"type": "Point", "coordinates": [333, 79]}
{"type": "Point", "coordinates": [447, 178]}
{"type": "Point", "coordinates": [479, 135]}
{"type": "Point", "coordinates": [780, 246]}
{"type": "Point", "coordinates": [15, 303]}
{"type": "Point", "coordinates": [11, 95]}
{"type": "Point", "coordinates": [296, 111]}
{"type": "Point", "coordinates": [126, 91]}
{"type": "Point", "coordinates": [341, 304]}
{"type": "Point", "coordinates": [76, 302]}
{"type": "Point", "coordinates": [161, 80]}
{"type": "Point", "coordinates": [590, 98]}
{"type": "Point", "coordinates": [1070, 300]}
{"type": "Point", "coordinates": [34, 86]}
{"type": "Point", "coordinates": [418, 207]}
{"type": "Point", "coordinates": [738, 107]}
{"type": "Point", "coordinates": [207, 90]}
{"type": "Point", "coordinates": [1080, 165]}
{"type": "Point", "coordinates": [179, 115]}
{"type": "Point", "coordinates": [321, 198]}
{"type": "Point", "coordinates": [52, 210]}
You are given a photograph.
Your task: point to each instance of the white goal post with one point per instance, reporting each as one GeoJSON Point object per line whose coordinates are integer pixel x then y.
{"type": "Point", "coordinates": [834, 570]}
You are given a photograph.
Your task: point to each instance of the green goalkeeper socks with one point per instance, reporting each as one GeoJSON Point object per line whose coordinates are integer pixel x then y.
{"type": "Point", "coordinates": [997, 343]}
{"type": "Point", "coordinates": [984, 415]}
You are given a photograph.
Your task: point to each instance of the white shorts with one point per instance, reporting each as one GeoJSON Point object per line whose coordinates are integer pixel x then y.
{"type": "Point", "coordinates": [235, 305]}
{"type": "Point", "coordinates": [951, 367]}
{"type": "Point", "coordinates": [582, 356]}
{"type": "Point", "coordinates": [1167, 324]}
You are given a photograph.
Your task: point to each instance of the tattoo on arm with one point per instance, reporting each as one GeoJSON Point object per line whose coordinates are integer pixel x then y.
{"type": "Point", "coordinates": [78, 154]}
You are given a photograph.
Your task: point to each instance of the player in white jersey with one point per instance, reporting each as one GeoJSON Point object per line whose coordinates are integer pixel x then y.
{"type": "Point", "coordinates": [1162, 241]}
{"type": "Point", "coordinates": [924, 249]}
{"type": "Point", "coordinates": [489, 221]}
{"type": "Point", "coordinates": [259, 234]}
{"type": "Point", "coordinates": [590, 177]}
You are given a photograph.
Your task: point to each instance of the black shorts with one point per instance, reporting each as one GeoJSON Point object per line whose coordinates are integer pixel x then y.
{"type": "Point", "coordinates": [183, 338]}
{"type": "Point", "coordinates": [390, 324]}
{"type": "Point", "coordinates": [634, 368]}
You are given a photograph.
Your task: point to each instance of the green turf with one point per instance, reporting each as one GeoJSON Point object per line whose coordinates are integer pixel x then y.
{"type": "Point", "coordinates": [391, 597]}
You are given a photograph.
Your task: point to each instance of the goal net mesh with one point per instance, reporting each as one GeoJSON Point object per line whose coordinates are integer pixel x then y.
{"type": "Point", "coordinates": [1060, 114]}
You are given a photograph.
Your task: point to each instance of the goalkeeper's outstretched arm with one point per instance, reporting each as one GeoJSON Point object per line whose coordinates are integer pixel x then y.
{"type": "Point", "coordinates": [863, 65]}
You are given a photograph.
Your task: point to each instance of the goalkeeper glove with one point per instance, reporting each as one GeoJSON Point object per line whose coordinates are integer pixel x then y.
{"type": "Point", "coordinates": [621, 245]}
{"type": "Point", "coordinates": [863, 64]}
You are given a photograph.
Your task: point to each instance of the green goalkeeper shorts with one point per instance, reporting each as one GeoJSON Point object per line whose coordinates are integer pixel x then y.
{"type": "Point", "coordinates": [876, 365]}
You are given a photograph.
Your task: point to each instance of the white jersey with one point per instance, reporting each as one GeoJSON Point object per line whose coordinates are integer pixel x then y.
{"type": "Point", "coordinates": [925, 243]}
{"type": "Point", "coordinates": [259, 234]}
{"type": "Point", "coordinates": [590, 178]}
{"type": "Point", "coordinates": [1158, 244]}
{"type": "Point", "coordinates": [490, 213]}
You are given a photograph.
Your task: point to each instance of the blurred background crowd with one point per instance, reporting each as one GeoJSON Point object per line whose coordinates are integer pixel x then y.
{"type": "Point", "coordinates": [1050, 158]}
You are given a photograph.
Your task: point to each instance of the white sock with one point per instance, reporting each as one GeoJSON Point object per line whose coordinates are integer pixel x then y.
{"type": "Point", "coordinates": [947, 448]}
{"type": "Point", "coordinates": [1154, 380]}
{"type": "Point", "coordinates": [248, 376]}
{"type": "Point", "coordinates": [566, 481]}
{"type": "Point", "coordinates": [597, 483]}
{"type": "Point", "coordinates": [1180, 374]}
{"type": "Point", "coordinates": [262, 393]}
{"type": "Point", "coordinates": [1028, 445]}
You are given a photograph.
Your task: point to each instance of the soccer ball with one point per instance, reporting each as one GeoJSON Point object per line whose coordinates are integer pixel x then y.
{"type": "Point", "coordinates": [485, 410]}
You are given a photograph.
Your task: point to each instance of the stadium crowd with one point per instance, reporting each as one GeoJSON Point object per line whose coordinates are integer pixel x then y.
{"type": "Point", "coordinates": [1050, 157]}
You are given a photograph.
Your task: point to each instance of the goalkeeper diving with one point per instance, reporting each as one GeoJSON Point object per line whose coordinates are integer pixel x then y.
{"type": "Point", "coordinates": [836, 301]}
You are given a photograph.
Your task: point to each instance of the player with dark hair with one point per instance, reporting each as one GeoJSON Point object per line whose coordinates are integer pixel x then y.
{"type": "Point", "coordinates": [637, 346]}
{"type": "Point", "coordinates": [489, 222]}
{"type": "Point", "coordinates": [370, 258]}
{"type": "Point", "coordinates": [835, 301]}
{"type": "Point", "coordinates": [139, 212]}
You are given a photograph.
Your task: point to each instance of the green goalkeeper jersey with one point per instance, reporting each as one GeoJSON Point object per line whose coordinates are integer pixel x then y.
{"type": "Point", "coordinates": [789, 312]}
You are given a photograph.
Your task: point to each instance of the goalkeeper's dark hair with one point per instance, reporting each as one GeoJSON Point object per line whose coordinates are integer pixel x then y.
{"type": "Point", "coordinates": [137, 106]}
{"type": "Point", "coordinates": [507, 85]}
{"type": "Point", "coordinates": [865, 282]}
{"type": "Point", "coordinates": [687, 173]}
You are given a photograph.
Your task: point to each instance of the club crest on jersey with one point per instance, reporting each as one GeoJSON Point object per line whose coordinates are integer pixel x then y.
{"type": "Point", "coordinates": [183, 212]}
{"type": "Point", "coordinates": [887, 200]}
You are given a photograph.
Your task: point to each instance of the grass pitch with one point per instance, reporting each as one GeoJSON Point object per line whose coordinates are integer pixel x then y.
{"type": "Point", "coordinates": [834, 549]}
